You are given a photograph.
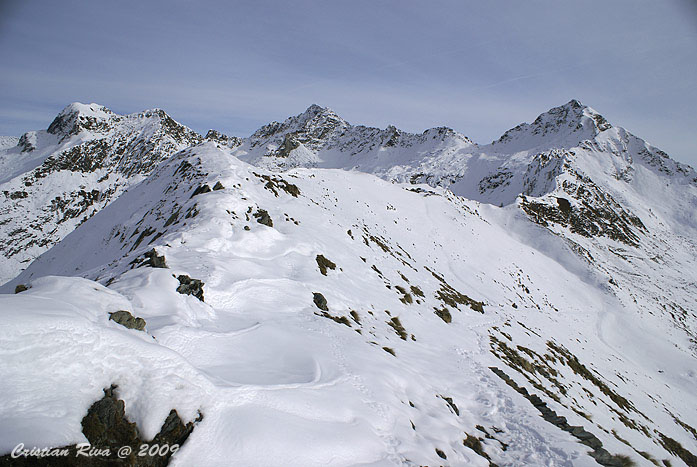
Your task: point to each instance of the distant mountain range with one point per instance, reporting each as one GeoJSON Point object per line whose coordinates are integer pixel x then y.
{"type": "Point", "coordinates": [321, 293]}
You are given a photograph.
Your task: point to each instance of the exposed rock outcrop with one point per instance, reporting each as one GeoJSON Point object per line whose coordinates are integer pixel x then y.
{"type": "Point", "coordinates": [189, 286]}
{"type": "Point", "coordinates": [126, 319]}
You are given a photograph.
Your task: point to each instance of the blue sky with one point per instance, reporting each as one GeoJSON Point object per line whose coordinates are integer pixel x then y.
{"type": "Point", "coordinates": [478, 67]}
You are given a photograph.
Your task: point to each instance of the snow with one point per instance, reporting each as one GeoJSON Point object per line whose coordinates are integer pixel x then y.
{"type": "Point", "coordinates": [14, 162]}
{"type": "Point", "coordinates": [438, 156]}
{"type": "Point", "coordinates": [50, 183]}
{"type": "Point", "coordinates": [278, 383]}
{"type": "Point", "coordinates": [59, 351]}
{"type": "Point", "coordinates": [7, 142]}
{"type": "Point", "coordinates": [87, 110]}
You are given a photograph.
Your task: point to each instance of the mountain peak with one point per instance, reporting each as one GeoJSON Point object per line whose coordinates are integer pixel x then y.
{"type": "Point", "coordinates": [92, 109]}
{"type": "Point", "coordinates": [315, 109]}
{"type": "Point", "coordinates": [563, 126]}
{"type": "Point", "coordinates": [316, 112]}
{"type": "Point", "coordinates": [575, 114]}
{"type": "Point", "coordinates": [574, 103]}
{"type": "Point", "coordinates": [77, 116]}
{"type": "Point", "coordinates": [587, 262]}
{"type": "Point", "coordinates": [316, 122]}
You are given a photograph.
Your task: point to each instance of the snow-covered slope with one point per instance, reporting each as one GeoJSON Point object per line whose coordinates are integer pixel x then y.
{"type": "Point", "coordinates": [620, 203]}
{"type": "Point", "coordinates": [8, 141]}
{"type": "Point", "coordinates": [346, 320]}
{"type": "Point", "coordinates": [53, 180]}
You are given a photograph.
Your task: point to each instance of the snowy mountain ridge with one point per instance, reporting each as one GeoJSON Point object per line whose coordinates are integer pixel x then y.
{"type": "Point", "coordinates": [299, 315]}
{"type": "Point", "coordinates": [564, 126]}
{"type": "Point", "coordinates": [55, 179]}
{"type": "Point", "coordinates": [90, 139]}
{"type": "Point", "coordinates": [8, 141]}
{"type": "Point", "coordinates": [495, 173]}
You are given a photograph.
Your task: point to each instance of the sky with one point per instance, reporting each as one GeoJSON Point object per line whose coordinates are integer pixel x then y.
{"type": "Point", "coordinates": [478, 67]}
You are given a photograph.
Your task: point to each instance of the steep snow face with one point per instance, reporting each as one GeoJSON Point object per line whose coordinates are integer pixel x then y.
{"type": "Point", "coordinates": [619, 202]}
{"type": "Point", "coordinates": [7, 142]}
{"type": "Point", "coordinates": [53, 180]}
{"type": "Point", "coordinates": [391, 324]}
{"type": "Point", "coordinates": [561, 127]}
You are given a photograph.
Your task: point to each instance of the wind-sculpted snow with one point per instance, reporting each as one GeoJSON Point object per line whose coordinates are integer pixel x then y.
{"type": "Point", "coordinates": [348, 320]}
{"type": "Point", "coordinates": [60, 350]}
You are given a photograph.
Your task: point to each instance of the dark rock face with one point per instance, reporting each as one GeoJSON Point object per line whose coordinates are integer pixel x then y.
{"type": "Point", "coordinates": [218, 186]}
{"type": "Point", "coordinates": [126, 319]}
{"type": "Point", "coordinates": [493, 181]}
{"type": "Point", "coordinates": [105, 423]}
{"type": "Point", "coordinates": [324, 264]}
{"type": "Point", "coordinates": [475, 444]}
{"type": "Point", "coordinates": [223, 139]}
{"type": "Point", "coordinates": [21, 288]}
{"type": "Point", "coordinates": [319, 301]}
{"type": "Point", "coordinates": [276, 184]}
{"type": "Point", "coordinates": [396, 324]}
{"type": "Point", "coordinates": [189, 286]}
{"type": "Point", "coordinates": [597, 214]}
{"type": "Point", "coordinates": [262, 217]}
{"type": "Point", "coordinates": [155, 260]}
{"type": "Point", "coordinates": [564, 205]}
{"type": "Point", "coordinates": [451, 404]}
{"type": "Point", "coordinates": [444, 314]}
{"type": "Point", "coordinates": [452, 298]}
{"type": "Point", "coordinates": [108, 430]}
{"type": "Point", "coordinates": [289, 143]}
{"type": "Point", "coordinates": [674, 447]}
{"type": "Point", "coordinates": [337, 319]}
{"type": "Point", "coordinates": [25, 143]}
{"type": "Point", "coordinates": [201, 189]}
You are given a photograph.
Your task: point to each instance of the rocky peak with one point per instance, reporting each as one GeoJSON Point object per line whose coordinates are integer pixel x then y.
{"type": "Point", "coordinates": [573, 115]}
{"type": "Point", "coordinates": [562, 127]}
{"type": "Point", "coordinates": [316, 116]}
{"type": "Point", "coordinates": [314, 127]}
{"type": "Point", "coordinates": [77, 117]}
{"type": "Point", "coordinates": [444, 132]}
{"type": "Point", "coordinates": [108, 151]}
{"type": "Point", "coordinates": [315, 109]}
{"type": "Point", "coordinates": [223, 139]}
